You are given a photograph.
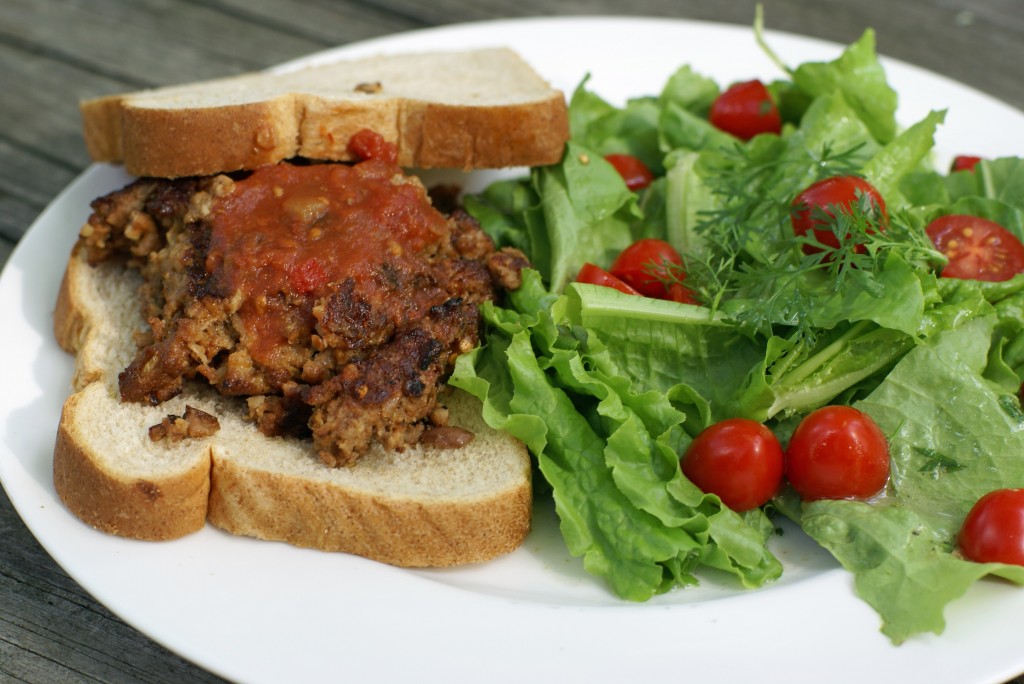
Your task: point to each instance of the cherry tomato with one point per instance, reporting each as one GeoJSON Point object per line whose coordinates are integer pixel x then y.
{"type": "Point", "coordinates": [838, 193]}
{"type": "Point", "coordinates": [978, 249]}
{"type": "Point", "coordinates": [837, 452]}
{"type": "Point", "coordinates": [745, 110]}
{"type": "Point", "coordinates": [964, 162]}
{"type": "Point", "coordinates": [993, 531]}
{"type": "Point", "coordinates": [738, 459]}
{"type": "Point", "coordinates": [633, 171]}
{"type": "Point", "coordinates": [677, 292]}
{"type": "Point", "coordinates": [595, 275]}
{"type": "Point", "coordinates": [647, 265]}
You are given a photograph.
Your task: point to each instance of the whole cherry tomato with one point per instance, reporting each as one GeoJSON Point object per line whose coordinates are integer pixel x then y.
{"type": "Point", "coordinates": [993, 531]}
{"type": "Point", "coordinates": [745, 110]}
{"type": "Point", "coordinates": [837, 452]}
{"type": "Point", "coordinates": [964, 162]}
{"type": "Point", "coordinates": [595, 275]}
{"type": "Point", "coordinates": [738, 459]}
{"type": "Point", "coordinates": [837, 193]}
{"type": "Point", "coordinates": [633, 171]}
{"type": "Point", "coordinates": [677, 292]}
{"type": "Point", "coordinates": [649, 266]}
{"type": "Point", "coordinates": [977, 249]}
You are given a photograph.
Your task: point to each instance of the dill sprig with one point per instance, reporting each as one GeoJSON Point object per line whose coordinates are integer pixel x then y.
{"type": "Point", "coordinates": [749, 250]}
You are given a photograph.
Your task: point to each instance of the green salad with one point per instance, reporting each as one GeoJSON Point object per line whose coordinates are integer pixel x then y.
{"type": "Point", "coordinates": [609, 389]}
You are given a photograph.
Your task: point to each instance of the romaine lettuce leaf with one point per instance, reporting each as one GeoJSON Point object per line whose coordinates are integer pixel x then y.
{"type": "Point", "coordinates": [859, 76]}
{"type": "Point", "coordinates": [605, 129]}
{"type": "Point", "coordinates": [565, 215]}
{"type": "Point", "coordinates": [608, 445]}
{"type": "Point", "coordinates": [945, 455]}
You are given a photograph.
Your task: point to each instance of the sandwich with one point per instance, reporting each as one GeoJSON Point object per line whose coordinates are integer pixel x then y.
{"type": "Point", "coordinates": [264, 320]}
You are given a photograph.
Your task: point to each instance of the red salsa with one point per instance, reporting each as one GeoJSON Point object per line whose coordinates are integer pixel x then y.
{"type": "Point", "coordinates": [288, 235]}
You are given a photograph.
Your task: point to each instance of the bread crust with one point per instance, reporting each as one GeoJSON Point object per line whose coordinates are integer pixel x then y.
{"type": "Point", "coordinates": [68, 323]}
{"type": "Point", "coordinates": [258, 486]}
{"type": "Point", "coordinates": [139, 507]}
{"type": "Point", "coordinates": [399, 531]}
{"type": "Point", "coordinates": [74, 319]}
{"type": "Point", "coordinates": [154, 139]}
{"type": "Point", "coordinates": [201, 142]}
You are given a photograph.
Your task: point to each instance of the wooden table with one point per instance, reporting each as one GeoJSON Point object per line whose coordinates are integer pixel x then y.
{"type": "Point", "coordinates": [53, 52]}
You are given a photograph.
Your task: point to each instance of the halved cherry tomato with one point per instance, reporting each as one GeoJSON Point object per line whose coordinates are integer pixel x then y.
{"type": "Point", "coordinates": [633, 171]}
{"type": "Point", "coordinates": [978, 249]}
{"type": "Point", "coordinates": [745, 110]}
{"type": "Point", "coordinates": [595, 275]}
{"type": "Point", "coordinates": [993, 531]}
{"type": "Point", "coordinates": [648, 265]}
{"type": "Point", "coordinates": [837, 193]}
{"type": "Point", "coordinates": [837, 452]}
{"type": "Point", "coordinates": [964, 162]}
{"type": "Point", "coordinates": [738, 459]}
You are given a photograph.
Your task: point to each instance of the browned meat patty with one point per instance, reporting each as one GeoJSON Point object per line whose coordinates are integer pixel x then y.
{"type": "Point", "coordinates": [334, 297]}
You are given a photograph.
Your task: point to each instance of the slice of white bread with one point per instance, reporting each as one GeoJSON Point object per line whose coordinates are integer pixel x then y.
{"type": "Point", "coordinates": [422, 507]}
{"type": "Point", "coordinates": [484, 108]}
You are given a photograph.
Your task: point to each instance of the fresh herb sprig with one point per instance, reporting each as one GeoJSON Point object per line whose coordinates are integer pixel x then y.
{"type": "Point", "coordinates": [750, 227]}
{"type": "Point", "coordinates": [750, 251]}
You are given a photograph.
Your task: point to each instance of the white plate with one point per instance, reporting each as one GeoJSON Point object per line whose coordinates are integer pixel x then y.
{"type": "Point", "coordinates": [266, 612]}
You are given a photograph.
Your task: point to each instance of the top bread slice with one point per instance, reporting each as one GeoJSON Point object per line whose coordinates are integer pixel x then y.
{"type": "Point", "coordinates": [424, 507]}
{"type": "Point", "coordinates": [484, 108]}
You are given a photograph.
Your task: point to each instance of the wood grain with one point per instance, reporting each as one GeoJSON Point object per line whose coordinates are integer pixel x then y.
{"type": "Point", "coordinates": [54, 52]}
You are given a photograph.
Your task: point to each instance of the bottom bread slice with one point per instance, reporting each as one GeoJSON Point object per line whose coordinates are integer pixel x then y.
{"type": "Point", "coordinates": [423, 507]}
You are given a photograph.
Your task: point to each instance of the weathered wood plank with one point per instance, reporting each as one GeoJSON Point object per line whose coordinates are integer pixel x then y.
{"type": "Point", "coordinates": [43, 119]}
{"type": "Point", "coordinates": [15, 218]}
{"type": "Point", "coordinates": [30, 176]}
{"type": "Point", "coordinates": [330, 22]}
{"type": "Point", "coordinates": [28, 182]}
{"type": "Point", "coordinates": [148, 42]}
{"type": "Point", "coordinates": [6, 247]}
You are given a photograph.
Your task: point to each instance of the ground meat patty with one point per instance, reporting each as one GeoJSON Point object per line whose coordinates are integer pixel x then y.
{"type": "Point", "coordinates": [334, 297]}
